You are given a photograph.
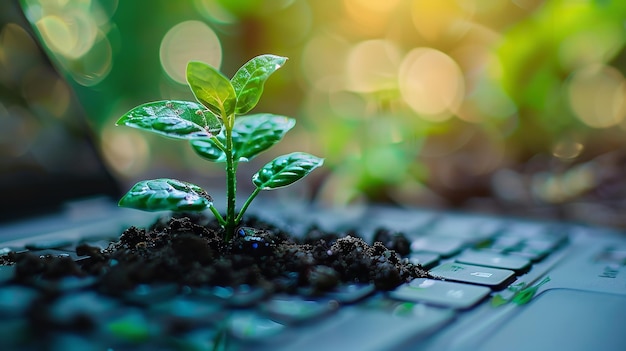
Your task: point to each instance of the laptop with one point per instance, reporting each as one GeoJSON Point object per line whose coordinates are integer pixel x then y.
{"type": "Point", "coordinates": [49, 164]}
{"type": "Point", "coordinates": [499, 283]}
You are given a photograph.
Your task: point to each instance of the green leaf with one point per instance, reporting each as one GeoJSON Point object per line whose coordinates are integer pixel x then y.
{"type": "Point", "coordinates": [208, 150]}
{"type": "Point", "coordinates": [524, 296]}
{"type": "Point", "coordinates": [252, 134]}
{"type": "Point", "coordinates": [166, 194]}
{"type": "Point", "coordinates": [211, 88]}
{"type": "Point", "coordinates": [175, 119]}
{"type": "Point", "coordinates": [248, 81]}
{"type": "Point", "coordinates": [285, 170]}
{"type": "Point", "coordinates": [498, 300]}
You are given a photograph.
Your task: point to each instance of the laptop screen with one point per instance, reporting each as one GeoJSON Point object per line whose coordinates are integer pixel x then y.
{"type": "Point", "coordinates": [47, 156]}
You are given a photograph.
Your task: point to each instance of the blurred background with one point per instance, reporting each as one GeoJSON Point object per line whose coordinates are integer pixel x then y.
{"type": "Point", "coordinates": [502, 106]}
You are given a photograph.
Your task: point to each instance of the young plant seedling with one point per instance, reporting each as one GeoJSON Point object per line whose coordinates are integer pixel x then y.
{"type": "Point", "coordinates": [219, 131]}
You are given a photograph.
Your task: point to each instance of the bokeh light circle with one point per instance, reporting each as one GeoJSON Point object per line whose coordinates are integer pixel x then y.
{"type": "Point", "coordinates": [324, 72]}
{"type": "Point", "coordinates": [17, 49]}
{"type": "Point", "coordinates": [372, 66]}
{"type": "Point", "coordinates": [370, 17]}
{"type": "Point", "coordinates": [597, 95]}
{"type": "Point", "coordinates": [127, 153]}
{"type": "Point", "coordinates": [431, 83]}
{"type": "Point", "coordinates": [442, 19]}
{"type": "Point", "coordinates": [214, 12]}
{"type": "Point", "coordinates": [96, 64]}
{"type": "Point", "coordinates": [186, 41]}
{"type": "Point", "coordinates": [71, 34]}
{"type": "Point", "coordinates": [594, 45]}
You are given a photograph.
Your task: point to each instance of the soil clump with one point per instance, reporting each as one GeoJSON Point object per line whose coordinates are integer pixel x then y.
{"type": "Point", "coordinates": [190, 251]}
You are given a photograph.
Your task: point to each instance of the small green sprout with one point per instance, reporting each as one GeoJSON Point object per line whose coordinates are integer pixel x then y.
{"type": "Point", "coordinates": [218, 131]}
{"type": "Point", "coordinates": [521, 294]}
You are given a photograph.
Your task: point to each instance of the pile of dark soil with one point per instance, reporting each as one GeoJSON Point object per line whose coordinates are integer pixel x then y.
{"type": "Point", "coordinates": [190, 251]}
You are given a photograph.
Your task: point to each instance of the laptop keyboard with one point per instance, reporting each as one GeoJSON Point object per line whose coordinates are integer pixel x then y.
{"type": "Point", "coordinates": [473, 258]}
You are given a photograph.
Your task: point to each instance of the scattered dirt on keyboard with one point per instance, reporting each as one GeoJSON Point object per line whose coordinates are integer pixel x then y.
{"type": "Point", "coordinates": [189, 251]}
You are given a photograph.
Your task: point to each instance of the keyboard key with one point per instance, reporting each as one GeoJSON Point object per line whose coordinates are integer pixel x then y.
{"type": "Point", "coordinates": [200, 339]}
{"type": "Point", "coordinates": [294, 309]}
{"type": "Point", "coordinates": [437, 292]}
{"type": "Point", "coordinates": [189, 308]}
{"type": "Point", "coordinates": [6, 249]}
{"type": "Point", "coordinates": [146, 294]}
{"type": "Point", "coordinates": [538, 231]}
{"type": "Point", "coordinates": [131, 326]}
{"type": "Point", "coordinates": [70, 307]}
{"type": "Point", "coordinates": [427, 260]}
{"type": "Point", "coordinates": [72, 342]}
{"type": "Point", "coordinates": [379, 324]}
{"type": "Point", "coordinates": [241, 296]}
{"type": "Point", "coordinates": [443, 246]}
{"type": "Point", "coordinates": [533, 254]}
{"type": "Point", "coordinates": [15, 300]}
{"type": "Point", "coordinates": [470, 229]}
{"type": "Point", "coordinates": [6, 273]}
{"type": "Point", "coordinates": [489, 259]}
{"type": "Point", "coordinates": [351, 293]}
{"type": "Point", "coordinates": [65, 283]}
{"type": "Point", "coordinates": [250, 326]}
{"type": "Point", "coordinates": [526, 230]}
{"type": "Point", "coordinates": [505, 243]}
{"type": "Point", "coordinates": [492, 277]}
{"type": "Point", "coordinates": [402, 221]}
{"type": "Point", "coordinates": [49, 244]}
{"type": "Point", "coordinates": [546, 243]}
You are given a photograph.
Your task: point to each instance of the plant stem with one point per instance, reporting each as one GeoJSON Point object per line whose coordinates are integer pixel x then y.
{"type": "Point", "coordinates": [246, 204]}
{"type": "Point", "coordinates": [231, 186]}
{"type": "Point", "coordinates": [217, 215]}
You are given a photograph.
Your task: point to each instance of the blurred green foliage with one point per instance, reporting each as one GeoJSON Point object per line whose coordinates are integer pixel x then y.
{"type": "Point", "coordinates": [409, 101]}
